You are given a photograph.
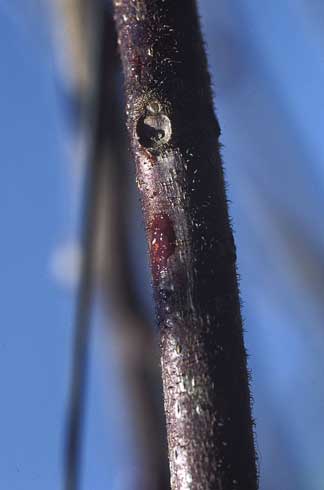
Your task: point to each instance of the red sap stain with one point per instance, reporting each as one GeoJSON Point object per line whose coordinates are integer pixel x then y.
{"type": "Point", "coordinates": [163, 240]}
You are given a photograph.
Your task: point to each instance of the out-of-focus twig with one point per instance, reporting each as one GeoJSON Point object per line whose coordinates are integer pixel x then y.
{"type": "Point", "coordinates": [82, 330]}
{"type": "Point", "coordinates": [106, 252]}
{"type": "Point", "coordinates": [90, 101]}
{"type": "Point", "coordinates": [131, 328]}
{"type": "Point", "coordinates": [77, 30]}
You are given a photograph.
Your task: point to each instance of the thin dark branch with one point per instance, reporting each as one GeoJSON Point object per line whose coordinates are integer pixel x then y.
{"type": "Point", "coordinates": [174, 138]}
{"type": "Point", "coordinates": [107, 209]}
{"type": "Point", "coordinates": [129, 325]}
{"type": "Point", "coordinates": [81, 340]}
{"type": "Point", "coordinates": [93, 123]}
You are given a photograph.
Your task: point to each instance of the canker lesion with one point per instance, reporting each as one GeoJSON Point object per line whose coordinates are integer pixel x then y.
{"type": "Point", "coordinates": [162, 240]}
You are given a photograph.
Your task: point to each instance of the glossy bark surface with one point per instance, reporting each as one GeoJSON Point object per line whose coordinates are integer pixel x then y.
{"type": "Point", "coordinates": [174, 139]}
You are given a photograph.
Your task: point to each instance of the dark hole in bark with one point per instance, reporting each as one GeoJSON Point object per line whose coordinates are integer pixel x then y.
{"type": "Point", "coordinates": [153, 130]}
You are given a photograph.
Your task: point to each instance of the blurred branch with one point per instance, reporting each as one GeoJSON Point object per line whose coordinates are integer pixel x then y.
{"type": "Point", "coordinates": [132, 330]}
{"type": "Point", "coordinates": [174, 139]}
{"type": "Point", "coordinates": [106, 254]}
{"type": "Point", "coordinates": [78, 33]}
{"type": "Point", "coordinates": [91, 101]}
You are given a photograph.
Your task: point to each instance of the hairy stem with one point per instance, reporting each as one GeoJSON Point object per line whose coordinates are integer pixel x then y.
{"type": "Point", "coordinates": [174, 138]}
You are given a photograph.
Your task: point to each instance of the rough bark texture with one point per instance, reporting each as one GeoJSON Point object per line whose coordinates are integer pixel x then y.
{"type": "Point", "coordinates": [174, 138]}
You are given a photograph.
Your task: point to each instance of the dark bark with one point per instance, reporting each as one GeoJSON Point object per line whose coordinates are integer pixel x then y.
{"type": "Point", "coordinates": [174, 138]}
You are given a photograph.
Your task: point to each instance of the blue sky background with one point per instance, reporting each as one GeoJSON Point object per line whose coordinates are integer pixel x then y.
{"type": "Point", "coordinates": [267, 64]}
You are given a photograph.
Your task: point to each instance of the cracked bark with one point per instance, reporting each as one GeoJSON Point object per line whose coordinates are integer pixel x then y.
{"type": "Point", "coordinates": [174, 139]}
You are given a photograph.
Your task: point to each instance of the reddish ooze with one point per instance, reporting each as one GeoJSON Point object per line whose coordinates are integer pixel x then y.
{"type": "Point", "coordinates": [163, 241]}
